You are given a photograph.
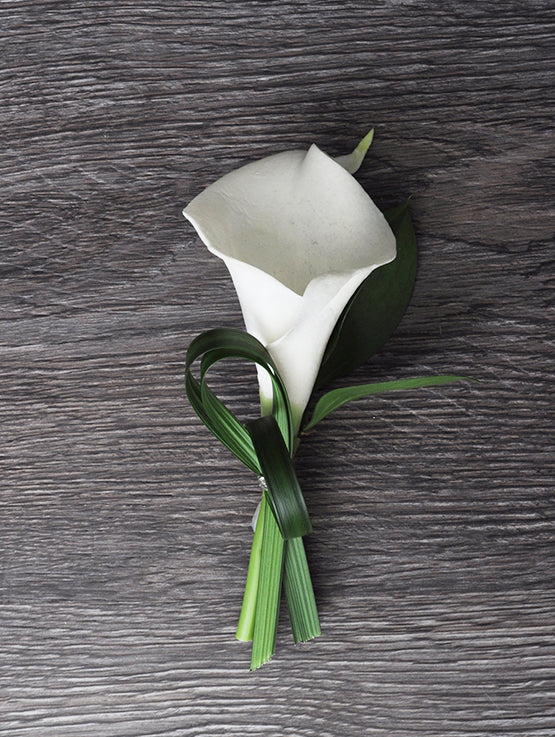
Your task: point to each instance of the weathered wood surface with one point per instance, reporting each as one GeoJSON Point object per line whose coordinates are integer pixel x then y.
{"type": "Point", "coordinates": [123, 525]}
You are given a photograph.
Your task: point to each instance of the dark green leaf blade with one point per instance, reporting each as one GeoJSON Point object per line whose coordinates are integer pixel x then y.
{"type": "Point", "coordinates": [376, 308]}
{"type": "Point", "coordinates": [337, 397]}
{"type": "Point", "coordinates": [283, 490]}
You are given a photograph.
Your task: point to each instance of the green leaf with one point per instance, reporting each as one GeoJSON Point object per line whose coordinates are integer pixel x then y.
{"type": "Point", "coordinates": [265, 445]}
{"type": "Point", "coordinates": [216, 345]}
{"type": "Point", "coordinates": [245, 625]}
{"type": "Point", "coordinates": [337, 397]}
{"type": "Point", "coordinates": [297, 585]}
{"type": "Point", "coordinates": [268, 594]}
{"type": "Point", "coordinates": [283, 490]}
{"type": "Point", "coordinates": [376, 308]}
{"type": "Point", "coordinates": [299, 593]}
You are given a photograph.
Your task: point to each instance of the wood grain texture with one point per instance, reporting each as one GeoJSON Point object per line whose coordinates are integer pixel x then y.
{"type": "Point", "coordinates": [123, 525]}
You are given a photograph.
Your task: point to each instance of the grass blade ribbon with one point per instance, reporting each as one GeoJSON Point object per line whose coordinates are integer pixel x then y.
{"type": "Point", "coordinates": [265, 446]}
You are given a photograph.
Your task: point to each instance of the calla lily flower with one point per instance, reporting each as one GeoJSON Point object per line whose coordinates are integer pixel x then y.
{"type": "Point", "coordinates": [298, 235]}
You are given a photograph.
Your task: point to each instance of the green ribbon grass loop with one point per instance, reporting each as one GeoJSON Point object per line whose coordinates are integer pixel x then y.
{"type": "Point", "coordinates": [265, 446]}
{"type": "Point", "coordinates": [222, 343]}
{"type": "Point", "coordinates": [283, 490]}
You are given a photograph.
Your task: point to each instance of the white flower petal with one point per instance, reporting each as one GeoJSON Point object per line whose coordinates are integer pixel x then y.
{"type": "Point", "coordinates": [299, 352]}
{"type": "Point", "coordinates": [298, 235]}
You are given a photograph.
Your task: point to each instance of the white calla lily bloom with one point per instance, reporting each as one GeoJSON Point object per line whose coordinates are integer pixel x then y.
{"type": "Point", "coordinates": [298, 235]}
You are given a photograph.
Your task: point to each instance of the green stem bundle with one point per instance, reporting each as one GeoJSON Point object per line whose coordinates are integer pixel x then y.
{"type": "Point", "coordinates": [272, 556]}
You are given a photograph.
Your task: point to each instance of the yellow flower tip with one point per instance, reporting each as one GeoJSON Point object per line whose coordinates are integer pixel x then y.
{"type": "Point", "coordinates": [364, 145]}
{"type": "Point", "coordinates": [351, 162]}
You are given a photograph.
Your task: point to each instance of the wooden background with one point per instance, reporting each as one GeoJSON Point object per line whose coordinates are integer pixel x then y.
{"type": "Point", "coordinates": [123, 524]}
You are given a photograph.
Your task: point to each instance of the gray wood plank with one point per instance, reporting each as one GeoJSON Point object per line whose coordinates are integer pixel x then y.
{"type": "Point", "coordinates": [124, 532]}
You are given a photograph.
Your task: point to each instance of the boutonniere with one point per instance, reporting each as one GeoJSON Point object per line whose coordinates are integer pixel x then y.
{"type": "Point", "coordinates": [323, 278]}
